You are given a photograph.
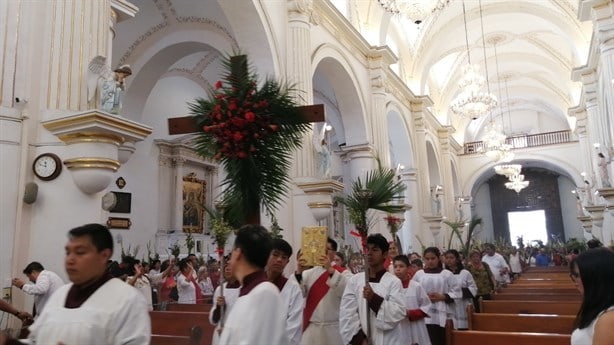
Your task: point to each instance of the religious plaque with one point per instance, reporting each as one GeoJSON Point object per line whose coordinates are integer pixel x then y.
{"type": "Point", "coordinates": [118, 223]}
{"type": "Point", "coordinates": [313, 244]}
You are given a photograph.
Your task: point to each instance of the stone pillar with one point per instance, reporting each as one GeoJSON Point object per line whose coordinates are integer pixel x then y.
{"type": "Point", "coordinates": [411, 226]}
{"type": "Point", "coordinates": [360, 159]}
{"type": "Point", "coordinates": [177, 191]}
{"type": "Point", "coordinates": [444, 134]}
{"type": "Point", "coordinates": [377, 119]}
{"type": "Point", "coordinates": [420, 126]}
{"type": "Point", "coordinates": [603, 24]}
{"type": "Point", "coordinates": [298, 71]}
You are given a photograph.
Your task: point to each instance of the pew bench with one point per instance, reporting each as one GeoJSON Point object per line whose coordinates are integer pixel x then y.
{"type": "Point", "coordinates": [536, 297]}
{"type": "Point", "coordinates": [530, 307]}
{"type": "Point", "coordinates": [511, 289]}
{"type": "Point", "coordinates": [199, 308]}
{"type": "Point", "coordinates": [180, 323]}
{"type": "Point", "coordinates": [454, 337]}
{"type": "Point", "coordinates": [194, 338]}
{"type": "Point", "coordinates": [536, 323]}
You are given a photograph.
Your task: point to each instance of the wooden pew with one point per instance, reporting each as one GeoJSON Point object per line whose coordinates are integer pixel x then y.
{"type": "Point", "coordinates": [536, 297]}
{"type": "Point", "coordinates": [179, 323]}
{"type": "Point", "coordinates": [530, 307]}
{"type": "Point", "coordinates": [199, 308]}
{"type": "Point", "coordinates": [559, 324]}
{"type": "Point", "coordinates": [454, 337]}
{"type": "Point", "coordinates": [194, 338]}
{"type": "Point", "coordinates": [511, 289]}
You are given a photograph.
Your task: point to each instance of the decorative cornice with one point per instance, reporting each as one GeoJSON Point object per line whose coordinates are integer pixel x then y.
{"type": "Point", "coordinates": [92, 163]}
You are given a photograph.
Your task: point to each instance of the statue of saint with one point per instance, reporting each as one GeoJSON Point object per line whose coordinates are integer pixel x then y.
{"type": "Point", "coordinates": [436, 200]}
{"type": "Point", "coordinates": [603, 170]}
{"type": "Point", "coordinates": [110, 83]}
{"type": "Point", "coordinates": [323, 155]}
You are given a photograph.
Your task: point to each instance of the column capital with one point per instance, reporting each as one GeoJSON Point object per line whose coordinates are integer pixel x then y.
{"type": "Point", "coordinates": [357, 151]}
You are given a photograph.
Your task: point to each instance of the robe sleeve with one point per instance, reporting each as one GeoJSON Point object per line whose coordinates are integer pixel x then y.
{"type": "Point", "coordinates": [469, 282]}
{"type": "Point", "coordinates": [295, 315]}
{"type": "Point", "coordinates": [349, 318]}
{"type": "Point", "coordinates": [131, 325]}
{"type": "Point", "coordinates": [424, 302]}
{"type": "Point", "coordinates": [392, 309]}
{"type": "Point", "coordinates": [337, 282]}
{"type": "Point", "coordinates": [40, 287]}
{"type": "Point", "coordinates": [214, 308]}
{"type": "Point", "coordinates": [452, 286]}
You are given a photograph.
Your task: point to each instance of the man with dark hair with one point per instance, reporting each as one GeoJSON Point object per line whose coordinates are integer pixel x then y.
{"type": "Point", "coordinates": [383, 296]}
{"type": "Point", "coordinates": [291, 293]}
{"type": "Point", "coordinates": [593, 243]}
{"type": "Point", "coordinates": [498, 266]}
{"type": "Point", "coordinates": [323, 287]}
{"type": "Point", "coordinates": [258, 315]}
{"type": "Point", "coordinates": [43, 284]}
{"type": "Point", "coordinates": [96, 308]}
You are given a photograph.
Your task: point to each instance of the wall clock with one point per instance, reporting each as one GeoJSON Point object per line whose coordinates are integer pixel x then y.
{"type": "Point", "coordinates": [47, 166]}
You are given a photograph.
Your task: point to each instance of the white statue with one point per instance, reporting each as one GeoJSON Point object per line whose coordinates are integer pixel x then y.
{"type": "Point", "coordinates": [111, 84]}
{"type": "Point", "coordinates": [320, 146]}
{"type": "Point", "coordinates": [603, 170]}
{"type": "Point", "coordinates": [436, 200]}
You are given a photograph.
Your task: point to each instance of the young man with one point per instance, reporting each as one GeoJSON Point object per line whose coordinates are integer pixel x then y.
{"type": "Point", "coordinates": [385, 301]}
{"type": "Point", "coordinates": [95, 308]}
{"type": "Point", "coordinates": [43, 284]}
{"type": "Point", "coordinates": [323, 287]}
{"type": "Point", "coordinates": [290, 291]}
{"type": "Point", "coordinates": [225, 303]}
{"type": "Point", "coordinates": [417, 304]}
{"type": "Point", "coordinates": [258, 316]}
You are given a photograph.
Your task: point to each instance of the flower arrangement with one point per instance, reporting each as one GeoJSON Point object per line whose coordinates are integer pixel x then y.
{"type": "Point", "coordinates": [252, 131]}
{"type": "Point", "coordinates": [189, 242]}
{"type": "Point", "coordinates": [221, 230]}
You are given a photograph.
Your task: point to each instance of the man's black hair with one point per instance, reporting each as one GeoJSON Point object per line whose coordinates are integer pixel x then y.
{"type": "Point", "coordinates": [333, 243]}
{"type": "Point", "coordinates": [282, 246]}
{"type": "Point", "coordinates": [33, 266]}
{"type": "Point", "coordinates": [98, 234]}
{"type": "Point", "coordinates": [417, 262]}
{"type": "Point", "coordinates": [379, 241]}
{"type": "Point", "coordinates": [401, 258]}
{"type": "Point", "coordinates": [255, 243]}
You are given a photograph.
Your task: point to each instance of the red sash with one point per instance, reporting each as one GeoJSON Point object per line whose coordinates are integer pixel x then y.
{"type": "Point", "coordinates": [318, 290]}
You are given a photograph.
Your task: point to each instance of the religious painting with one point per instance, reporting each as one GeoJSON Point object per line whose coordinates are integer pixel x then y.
{"type": "Point", "coordinates": [193, 204]}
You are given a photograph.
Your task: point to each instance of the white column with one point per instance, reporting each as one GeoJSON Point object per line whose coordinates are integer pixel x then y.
{"type": "Point", "coordinates": [377, 119]}
{"type": "Point", "coordinates": [299, 73]}
{"type": "Point", "coordinates": [360, 159]}
{"type": "Point", "coordinates": [177, 193]}
{"type": "Point", "coordinates": [444, 134]}
{"type": "Point", "coordinates": [411, 226]}
{"type": "Point", "coordinates": [424, 204]}
{"type": "Point", "coordinates": [605, 91]}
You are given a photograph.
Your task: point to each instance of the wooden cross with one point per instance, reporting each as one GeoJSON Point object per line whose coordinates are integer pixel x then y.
{"type": "Point", "coordinates": [187, 124]}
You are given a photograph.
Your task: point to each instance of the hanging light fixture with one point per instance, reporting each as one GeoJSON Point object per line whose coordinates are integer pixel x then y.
{"type": "Point", "coordinates": [415, 10]}
{"type": "Point", "coordinates": [517, 183]}
{"type": "Point", "coordinates": [472, 102]}
{"type": "Point", "coordinates": [508, 170]}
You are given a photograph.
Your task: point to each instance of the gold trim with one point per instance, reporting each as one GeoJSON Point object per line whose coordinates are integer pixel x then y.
{"type": "Point", "coordinates": [98, 118]}
{"type": "Point", "coordinates": [320, 204]}
{"type": "Point", "coordinates": [91, 137]}
{"type": "Point", "coordinates": [92, 163]}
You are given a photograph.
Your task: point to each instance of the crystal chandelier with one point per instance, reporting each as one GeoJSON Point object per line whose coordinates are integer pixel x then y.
{"type": "Point", "coordinates": [493, 141]}
{"type": "Point", "coordinates": [508, 170]}
{"type": "Point", "coordinates": [472, 102]}
{"type": "Point", "coordinates": [414, 10]}
{"type": "Point", "coordinates": [517, 183]}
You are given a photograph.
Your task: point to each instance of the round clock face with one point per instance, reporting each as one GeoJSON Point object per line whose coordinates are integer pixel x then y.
{"type": "Point", "coordinates": [47, 166]}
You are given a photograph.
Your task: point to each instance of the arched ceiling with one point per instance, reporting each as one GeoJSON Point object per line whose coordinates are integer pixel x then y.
{"type": "Point", "coordinates": [538, 43]}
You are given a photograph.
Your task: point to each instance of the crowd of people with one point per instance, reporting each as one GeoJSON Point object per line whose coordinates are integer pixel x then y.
{"type": "Point", "coordinates": [395, 299]}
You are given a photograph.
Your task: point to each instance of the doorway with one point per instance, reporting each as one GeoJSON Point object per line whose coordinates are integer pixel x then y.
{"type": "Point", "coordinates": [531, 225]}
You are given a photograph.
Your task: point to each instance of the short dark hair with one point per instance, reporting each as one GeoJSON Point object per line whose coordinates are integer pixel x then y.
{"type": "Point", "coordinates": [436, 252]}
{"type": "Point", "coordinates": [596, 268]}
{"type": "Point", "coordinates": [489, 246]}
{"type": "Point", "coordinates": [255, 243]}
{"type": "Point", "coordinates": [98, 234]}
{"type": "Point", "coordinates": [401, 258]}
{"type": "Point", "coordinates": [594, 243]}
{"type": "Point", "coordinates": [164, 265]}
{"type": "Point", "coordinates": [283, 246]}
{"type": "Point", "coordinates": [333, 243]}
{"type": "Point", "coordinates": [342, 256]}
{"type": "Point", "coordinates": [417, 262]}
{"type": "Point", "coordinates": [33, 266]}
{"type": "Point", "coordinates": [459, 262]}
{"type": "Point", "coordinates": [183, 264]}
{"type": "Point", "coordinates": [379, 241]}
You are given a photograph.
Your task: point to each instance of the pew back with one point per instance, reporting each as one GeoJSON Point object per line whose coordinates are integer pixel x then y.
{"type": "Point", "coordinates": [180, 323]}
{"type": "Point", "coordinates": [560, 324]}
{"type": "Point", "coordinates": [530, 307]}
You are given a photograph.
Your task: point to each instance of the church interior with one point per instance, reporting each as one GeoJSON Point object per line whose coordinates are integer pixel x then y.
{"type": "Point", "coordinates": [483, 109]}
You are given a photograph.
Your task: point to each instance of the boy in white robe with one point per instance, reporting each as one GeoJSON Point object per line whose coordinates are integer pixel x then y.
{"type": "Point", "coordinates": [258, 315]}
{"type": "Point", "coordinates": [95, 308]}
{"type": "Point", "coordinates": [290, 290]}
{"type": "Point", "coordinates": [384, 297]}
{"type": "Point", "coordinates": [322, 287]}
{"type": "Point", "coordinates": [417, 304]}
{"type": "Point", "coordinates": [225, 303]}
{"type": "Point", "coordinates": [464, 279]}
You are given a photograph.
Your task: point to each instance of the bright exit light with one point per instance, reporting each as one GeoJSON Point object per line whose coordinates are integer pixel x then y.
{"type": "Point", "coordinates": [531, 225]}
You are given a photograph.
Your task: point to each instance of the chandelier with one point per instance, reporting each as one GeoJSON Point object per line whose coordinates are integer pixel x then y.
{"type": "Point", "coordinates": [415, 10]}
{"type": "Point", "coordinates": [508, 170]}
{"type": "Point", "coordinates": [472, 102]}
{"type": "Point", "coordinates": [517, 183]}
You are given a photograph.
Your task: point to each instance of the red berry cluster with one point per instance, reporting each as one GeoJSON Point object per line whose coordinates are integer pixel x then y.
{"type": "Point", "coordinates": [238, 124]}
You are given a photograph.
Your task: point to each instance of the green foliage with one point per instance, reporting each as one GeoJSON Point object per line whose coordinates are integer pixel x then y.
{"type": "Point", "coordinates": [130, 251]}
{"type": "Point", "coordinates": [457, 227]}
{"type": "Point", "coordinates": [220, 228]}
{"type": "Point", "coordinates": [152, 254]}
{"type": "Point", "coordinates": [377, 192]}
{"type": "Point", "coordinates": [276, 230]}
{"type": "Point", "coordinates": [253, 132]}
{"type": "Point", "coordinates": [175, 250]}
{"type": "Point", "coordinates": [189, 242]}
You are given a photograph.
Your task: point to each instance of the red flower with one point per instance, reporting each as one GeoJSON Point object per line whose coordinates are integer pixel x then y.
{"type": "Point", "coordinates": [250, 116]}
{"type": "Point", "coordinates": [241, 154]}
{"type": "Point", "coordinates": [232, 105]}
{"type": "Point", "coordinates": [237, 136]}
{"type": "Point", "coordinates": [218, 85]}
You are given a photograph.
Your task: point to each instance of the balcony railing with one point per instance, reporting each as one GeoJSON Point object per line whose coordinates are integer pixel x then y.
{"type": "Point", "coordinates": [523, 141]}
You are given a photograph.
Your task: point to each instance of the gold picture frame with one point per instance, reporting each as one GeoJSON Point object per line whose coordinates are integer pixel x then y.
{"type": "Point", "coordinates": [313, 244]}
{"type": "Point", "coordinates": [194, 199]}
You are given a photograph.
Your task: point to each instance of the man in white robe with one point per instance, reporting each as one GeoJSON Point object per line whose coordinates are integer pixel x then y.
{"type": "Point", "coordinates": [43, 284]}
{"type": "Point", "coordinates": [95, 308]}
{"type": "Point", "coordinates": [290, 290]}
{"type": "Point", "coordinates": [323, 287]}
{"type": "Point", "coordinates": [258, 316]}
{"type": "Point", "coordinates": [385, 301]}
{"type": "Point", "coordinates": [222, 305]}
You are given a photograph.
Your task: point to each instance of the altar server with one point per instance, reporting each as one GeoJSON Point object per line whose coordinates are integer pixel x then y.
{"type": "Point", "coordinates": [225, 303]}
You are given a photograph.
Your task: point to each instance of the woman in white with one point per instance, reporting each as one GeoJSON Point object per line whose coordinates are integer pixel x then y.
{"type": "Point", "coordinates": [458, 310]}
{"type": "Point", "coordinates": [205, 284]}
{"type": "Point", "coordinates": [186, 286]}
{"type": "Point", "coordinates": [442, 289]}
{"type": "Point", "coordinates": [593, 273]}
